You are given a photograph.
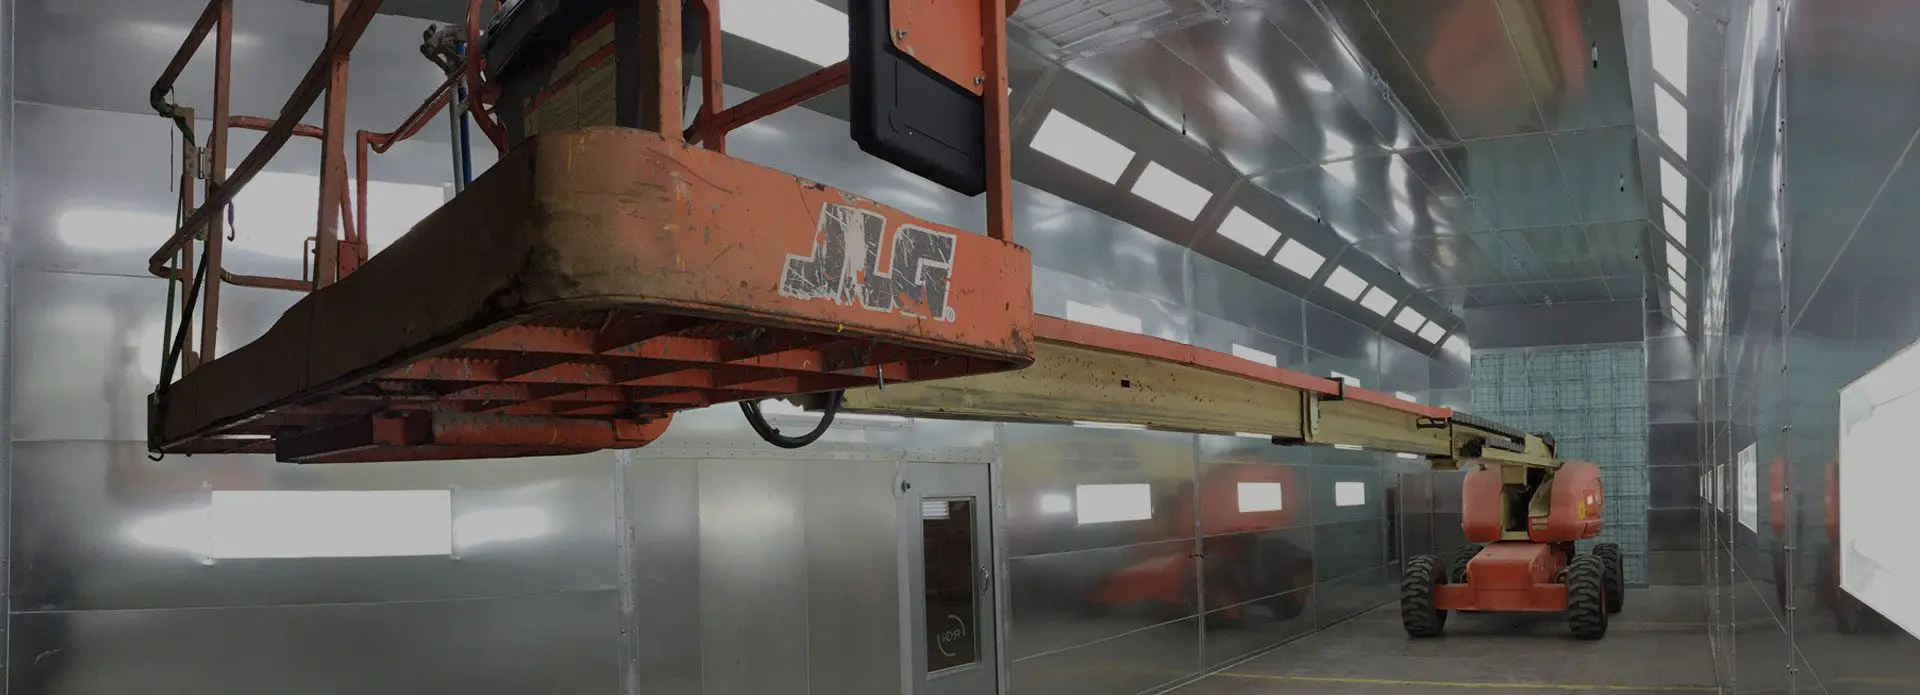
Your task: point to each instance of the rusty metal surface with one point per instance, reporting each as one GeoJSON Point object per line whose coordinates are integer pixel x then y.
{"type": "Point", "coordinates": [612, 276]}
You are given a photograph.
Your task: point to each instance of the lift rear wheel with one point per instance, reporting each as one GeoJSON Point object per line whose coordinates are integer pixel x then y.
{"type": "Point", "coordinates": [1457, 568]}
{"type": "Point", "coordinates": [1587, 597]}
{"type": "Point", "coordinates": [1616, 575]}
{"type": "Point", "coordinates": [1417, 613]}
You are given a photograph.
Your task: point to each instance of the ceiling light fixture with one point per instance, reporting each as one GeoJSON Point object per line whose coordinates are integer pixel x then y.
{"type": "Point", "coordinates": [1667, 29]}
{"type": "Point", "coordinates": [1670, 118]}
{"type": "Point", "coordinates": [1344, 283]}
{"type": "Point", "coordinates": [1676, 225]}
{"type": "Point", "coordinates": [1432, 332]}
{"type": "Point", "coordinates": [1673, 185]}
{"type": "Point", "coordinates": [1248, 231]}
{"type": "Point", "coordinates": [1303, 261]}
{"type": "Point", "coordinates": [1080, 147]}
{"type": "Point", "coordinates": [1378, 301]}
{"type": "Point", "coordinates": [1409, 319]}
{"type": "Point", "coordinates": [1160, 186]}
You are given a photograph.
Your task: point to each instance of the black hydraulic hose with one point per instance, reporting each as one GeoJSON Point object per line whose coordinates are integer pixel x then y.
{"type": "Point", "coordinates": [758, 421]}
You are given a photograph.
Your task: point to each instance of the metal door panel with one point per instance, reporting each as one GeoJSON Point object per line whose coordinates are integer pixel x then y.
{"type": "Point", "coordinates": [946, 510]}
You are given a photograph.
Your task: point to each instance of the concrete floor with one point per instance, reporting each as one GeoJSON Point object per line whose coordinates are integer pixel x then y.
{"type": "Point", "coordinates": [1657, 645]}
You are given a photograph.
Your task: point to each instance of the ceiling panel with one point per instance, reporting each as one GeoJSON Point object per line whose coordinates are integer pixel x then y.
{"type": "Point", "coordinates": [1149, 77]}
{"type": "Point", "coordinates": [1460, 52]}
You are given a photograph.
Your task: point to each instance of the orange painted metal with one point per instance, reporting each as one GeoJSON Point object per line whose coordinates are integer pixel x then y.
{"type": "Point", "coordinates": [924, 29]}
{"type": "Point", "coordinates": [709, 127]}
{"type": "Point", "coordinates": [1577, 505]}
{"type": "Point", "coordinates": [476, 90]}
{"type": "Point", "coordinates": [675, 278]}
{"type": "Point", "coordinates": [1099, 338]}
{"type": "Point", "coordinates": [1510, 576]}
{"type": "Point", "coordinates": [1482, 515]}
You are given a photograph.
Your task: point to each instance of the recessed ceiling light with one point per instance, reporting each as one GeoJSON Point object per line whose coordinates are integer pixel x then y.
{"type": "Point", "coordinates": [1432, 332]}
{"type": "Point", "coordinates": [1670, 119]}
{"type": "Point", "coordinates": [1673, 185]}
{"type": "Point", "coordinates": [1409, 319]}
{"type": "Point", "coordinates": [1103, 317]}
{"type": "Point", "coordinates": [1303, 261]}
{"type": "Point", "coordinates": [1160, 186]}
{"type": "Point", "coordinates": [1246, 230]}
{"type": "Point", "coordinates": [1667, 30]}
{"type": "Point", "coordinates": [1253, 355]}
{"type": "Point", "coordinates": [802, 28]}
{"type": "Point", "coordinates": [1344, 283]}
{"type": "Point", "coordinates": [1378, 301]}
{"type": "Point", "coordinates": [1676, 225]}
{"type": "Point", "coordinates": [1080, 147]}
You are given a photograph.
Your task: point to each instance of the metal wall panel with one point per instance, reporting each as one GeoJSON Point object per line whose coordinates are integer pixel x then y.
{"type": "Point", "coordinates": [852, 581]}
{"type": "Point", "coordinates": [1044, 460]}
{"type": "Point", "coordinates": [661, 573]}
{"type": "Point", "coordinates": [99, 527]}
{"type": "Point", "coordinates": [1136, 662]}
{"type": "Point", "coordinates": [553, 642]}
{"type": "Point", "coordinates": [1225, 292]}
{"type": "Point", "coordinates": [753, 554]}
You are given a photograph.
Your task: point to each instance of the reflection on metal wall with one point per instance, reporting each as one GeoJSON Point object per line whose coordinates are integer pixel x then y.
{"type": "Point", "coordinates": [1818, 293]}
{"type": "Point", "coordinates": [1593, 400]}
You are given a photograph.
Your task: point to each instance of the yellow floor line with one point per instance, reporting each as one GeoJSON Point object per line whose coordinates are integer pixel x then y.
{"type": "Point", "coordinates": [1463, 684]}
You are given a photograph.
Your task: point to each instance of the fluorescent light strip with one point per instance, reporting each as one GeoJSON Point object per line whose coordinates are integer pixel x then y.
{"type": "Point", "coordinates": [1676, 225]}
{"type": "Point", "coordinates": [1349, 493]}
{"type": "Point", "coordinates": [1103, 317]}
{"type": "Point", "coordinates": [1378, 301]}
{"type": "Point", "coordinates": [802, 28]}
{"type": "Point", "coordinates": [1108, 425]}
{"type": "Point", "coordinates": [1252, 355]}
{"type": "Point", "coordinates": [1673, 185]}
{"type": "Point", "coordinates": [1667, 29]}
{"type": "Point", "coordinates": [1432, 332]}
{"type": "Point", "coordinates": [1099, 504]}
{"type": "Point", "coordinates": [1303, 261]}
{"type": "Point", "coordinates": [1410, 319]}
{"type": "Point", "coordinates": [1080, 147]}
{"type": "Point", "coordinates": [1248, 231]}
{"type": "Point", "coordinates": [1260, 497]}
{"type": "Point", "coordinates": [1344, 283]}
{"type": "Point", "coordinates": [1160, 186]}
{"type": "Point", "coordinates": [1670, 119]}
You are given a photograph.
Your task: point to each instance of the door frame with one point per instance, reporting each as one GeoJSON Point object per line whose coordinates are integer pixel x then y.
{"type": "Point", "coordinates": [994, 533]}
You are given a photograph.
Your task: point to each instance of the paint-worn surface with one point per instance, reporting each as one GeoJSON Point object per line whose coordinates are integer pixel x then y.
{"type": "Point", "coordinates": [1658, 645]}
{"type": "Point", "coordinates": [609, 275]}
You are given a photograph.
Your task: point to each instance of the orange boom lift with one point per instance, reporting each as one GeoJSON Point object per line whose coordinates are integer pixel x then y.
{"type": "Point", "coordinates": [614, 267]}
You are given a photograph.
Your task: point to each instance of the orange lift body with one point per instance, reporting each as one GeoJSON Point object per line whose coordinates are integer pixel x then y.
{"type": "Point", "coordinates": [1510, 575]}
{"type": "Point", "coordinates": [603, 275]}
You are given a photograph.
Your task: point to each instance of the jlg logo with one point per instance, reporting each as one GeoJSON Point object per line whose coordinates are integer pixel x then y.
{"type": "Point", "coordinates": [848, 249]}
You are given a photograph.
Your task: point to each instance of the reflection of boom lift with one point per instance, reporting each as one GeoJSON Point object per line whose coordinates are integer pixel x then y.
{"type": "Point", "coordinates": [599, 279]}
{"type": "Point", "coordinates": [1527, 506]}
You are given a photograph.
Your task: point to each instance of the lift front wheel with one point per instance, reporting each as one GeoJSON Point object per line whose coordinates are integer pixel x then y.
{"type": "Point", "coordinates": [1609, 553]}
{"type": "Point", "coordinates": [1587, 597]}
{"type": "Point", "coordinates": [1417, 612]}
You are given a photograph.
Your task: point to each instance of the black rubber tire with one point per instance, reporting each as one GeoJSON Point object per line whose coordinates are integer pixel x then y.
{"type": "Point", "coordinates": [1417, 613]}
{"type": "Point", "coordinates": [1587, 597]}
{"type": "Point", "coordinates": [1616, 575]}
{"type": "Point", "coordinates": [1457, 564]}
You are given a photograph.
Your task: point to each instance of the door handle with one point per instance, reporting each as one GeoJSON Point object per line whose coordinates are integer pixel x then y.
{"type": "Point", "coordinates": [986, 580]}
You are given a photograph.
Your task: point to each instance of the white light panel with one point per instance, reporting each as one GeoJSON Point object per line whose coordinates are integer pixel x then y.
{"type": "Point", "coordinates": [329, 523]}
{"type": "Point", "coordinates": [1349, 493]}
{"type": "Point", "coordinates": [1100, 504]}
{"type": "Point", "coordinates": [1670, 120]}
{"type": "Point", "coordinates": [1244, 229]}
{"type": "Point", "coordinates": [801, 28]}
{"type": "Point", "coordinates": [1344, 283]}
{"type": "Point", "coordinates": [1108, 425]}
{"type": "Point", "coordinates": [1409, 319]}
{"type": "Point", "coordinates": [1676, 260]}
{"type": "Point", "coordinates": [1408, 397]}
{"type": "Point", "coordinates": [1261, 497]}
{"type": "Point", "coordinates": [1350, 380]}
{"type": "Point", "coordinates": [89, 229]}
{"type": "Point", "coordinates": [1252, 355]}
{"type": "Point", "coordinates": [1078, 146]}
{"type": "Point", "coordinates": [1103, 317]}
{"type": "Point", "coordinates": [1432, 332]}
{"type": "Point", "coordinates": [1378, 301]}
{"type": "Point", "coordinates": [1877, 480]}
{"type": "Point", "coordinates": [1676, 225]}
{"type": "Point", "coordinates": [1160, 186]}
{"type": "Point", "coordinates": [1673, 185]}
{"type": "Point", "coordinates": [1299, 259]}
{"type": "Point", "coordinates": [1667, 30]}
{"type": "Point", "coordinates": [1748, 465]}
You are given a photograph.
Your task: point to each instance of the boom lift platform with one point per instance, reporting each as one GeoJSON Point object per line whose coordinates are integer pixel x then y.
{"type": "Point", "coordinates": [608, 272]}
{"type": "Point", "coordinates": [599, 279]}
